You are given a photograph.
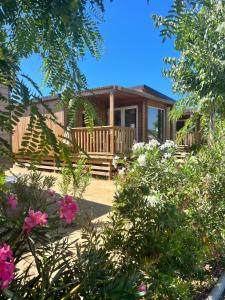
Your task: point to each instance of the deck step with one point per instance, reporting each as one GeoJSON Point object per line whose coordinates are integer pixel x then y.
{"type": "Point", "coordinates": [100, 167]}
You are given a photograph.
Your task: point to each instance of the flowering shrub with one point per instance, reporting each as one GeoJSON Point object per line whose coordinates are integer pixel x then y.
{"type": "Point", "coordinates": [37, 261]}
{"type": "Point", "coordinates": [68, 209]}
{"type": "Point", "coordinates": [7, 266]}
{"type": "Point", "coordinates": [168, 217]}
{"type": "Point", "coordinates": [34, 219]}
{"type": "Point", "coordinates": [12, 201]}
{"type": "Point", "coordinates": [29, 220]}
{"type": "Point", "coordinates": [165, 238]}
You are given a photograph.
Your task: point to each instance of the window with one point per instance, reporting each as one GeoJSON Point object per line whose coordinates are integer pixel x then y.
{"type": "Point", "coordinates": [156, 123]}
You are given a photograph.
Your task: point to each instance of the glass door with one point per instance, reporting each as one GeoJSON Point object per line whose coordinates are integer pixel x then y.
{"type": "Point", "coordinates": [156, 123]}
{"type": "Point", "coordinates": [118, 117]}
{"type": "Point", "coordinates": [126, 117]}
{"type": "Point", "coordinates": [130, 117]}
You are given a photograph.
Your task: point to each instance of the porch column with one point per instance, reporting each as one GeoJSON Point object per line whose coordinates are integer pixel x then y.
{"type": "Point", "coordinates": [173, 124]}
{"type": "Point", "coordinates": [111, 108]}
{"type": "Point", "coordinates": [167, 124]}
{"type": "Point", "coordinates": [111, 122]}
{"type": "Point", "coordinates": [144, 121]}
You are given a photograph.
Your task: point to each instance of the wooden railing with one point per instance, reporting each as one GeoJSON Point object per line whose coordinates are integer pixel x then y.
{"type": "Point", "coordinates": [193, 138]}
{"type": "Point", "coordinates": [104, 139]}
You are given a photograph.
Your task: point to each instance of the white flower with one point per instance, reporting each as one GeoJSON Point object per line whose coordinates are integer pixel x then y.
{"type": "Point", "coordinates": [138, 146]}
{"type": "Point", "coordinates": [151, 144]}
{"type": "Point", "coordinates": [122, 171]}
{"type": "Point", "coordinates": [193, 160]}
{"type": "Point", "coordinates": [167, 155]}
{"type": "Point", "coordinates": [115, 161]}
{"type": "Point", "coordinates": [142, 160]}
{"type": "Point", "coordinates": [167, 144]}
{"type": "Point", "coordinates": [152, 200]}
{"type": "Point", "coordinates": [125, 158]}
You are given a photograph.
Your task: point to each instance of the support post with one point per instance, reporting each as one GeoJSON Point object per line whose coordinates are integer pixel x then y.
{"type": "Point", "coordinates": [111, 122]}
{"type": "Point", "coordinates": [111, 108]}
{"type": "Point", "coordinates": [167, 124]}
{"type": "Point", "coordinates": [144, 134]}
{"type": "Point", "coordinates": [173, 124]}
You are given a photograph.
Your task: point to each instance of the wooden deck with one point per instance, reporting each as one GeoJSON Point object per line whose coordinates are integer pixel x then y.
{"type": "Point", "coordinates": [98, 146]}
{"type": "Point", "coordinates": [104, 140]}
{"type": "Point", "coordinates": [193, 138]}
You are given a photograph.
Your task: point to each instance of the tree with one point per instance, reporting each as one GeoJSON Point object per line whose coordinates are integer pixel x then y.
{"type": "Point", "coordinates": [60, 32]}
{"type": "Point", "coordinates": [198, 74]}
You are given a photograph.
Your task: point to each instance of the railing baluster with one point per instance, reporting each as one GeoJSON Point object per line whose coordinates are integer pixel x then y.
{"type": "Point", "coordinates": [106, 139]}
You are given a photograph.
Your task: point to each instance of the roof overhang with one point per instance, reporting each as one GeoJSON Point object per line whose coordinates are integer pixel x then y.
{"type": "Point", "coordinates": [106, 90]}
{"type": "Point", "coordinates": [123, 90]}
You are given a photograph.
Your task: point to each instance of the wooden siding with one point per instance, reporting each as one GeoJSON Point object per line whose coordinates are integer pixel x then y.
{"type": "Point", "coordinates": [21, 127]}
{"type": "Point", "coordinates": [4, 134]}
{"type": "Point", "coordinates": [101, 110]}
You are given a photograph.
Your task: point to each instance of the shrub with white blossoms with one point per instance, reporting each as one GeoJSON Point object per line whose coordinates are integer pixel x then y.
{"type": "Point", "coordinates": [167, 155]}
{"type": "Point", "coordinates": [152, 144]}
{"type": "Point", "coordinates": [115, 161]}
{"type": "Point", "coordinates": [138, 148]}
{"type": "Point", "coordinates": [142, 160]}
{"type": "Point", "coordinates": [168, 218]}
{"type": "Point", "coordinates": [152, 200]}
{"type": "Point", "coordinates": [168, 145]}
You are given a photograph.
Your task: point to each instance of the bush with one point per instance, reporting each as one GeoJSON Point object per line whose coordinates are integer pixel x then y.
{"type": "Point", "coordinates": [165, 238]}
{"type": "Point", "coordinates": [168, 217]}
{"type": "Point", "coordinates": [37, 262]}
{"type": "Point", "coordinates": [31, 216]}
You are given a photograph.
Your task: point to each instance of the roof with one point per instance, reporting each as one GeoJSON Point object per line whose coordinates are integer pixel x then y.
{"type": "Point", "coordinates": [140, 90]}
{"type": "Point", "coordinates": [152, 91]}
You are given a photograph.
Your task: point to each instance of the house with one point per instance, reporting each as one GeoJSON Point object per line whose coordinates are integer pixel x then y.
{"type": "Point", "coordinates": [125, 115]}
{"type": "Point", "coordinates": [4, 134]}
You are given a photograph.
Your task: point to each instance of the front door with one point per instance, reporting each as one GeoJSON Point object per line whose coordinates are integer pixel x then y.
{"type": "Point", "coordinates": [126, 116]}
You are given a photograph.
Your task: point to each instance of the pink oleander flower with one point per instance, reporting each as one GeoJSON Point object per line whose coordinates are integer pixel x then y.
{"type": "Point", "coordinates": [142, 288]}
{"type": "Point", "coordinates": [51, 193]}
{"type": "Point", "coordinates": [34, 219]}
{"type": "Point", "coordinates": [12, 201]}
{"type": "Point", "coordinates": [7, 266]}
{"type": "Point", "coordinates": [68, 209]}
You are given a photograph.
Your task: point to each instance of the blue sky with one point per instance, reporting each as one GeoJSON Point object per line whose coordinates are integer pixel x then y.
{"type": "Point", "coordinates": [133, 51]}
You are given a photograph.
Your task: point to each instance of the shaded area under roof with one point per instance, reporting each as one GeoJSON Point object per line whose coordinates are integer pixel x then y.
{"type": "Point", "coordinates": [140, 90]}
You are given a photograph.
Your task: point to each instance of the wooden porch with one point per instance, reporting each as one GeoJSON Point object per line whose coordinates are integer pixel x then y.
{"type": "Point", "coordinates": [104, 140]}
{"type": "Point", "coordinates": [192, 138]}
{"type": "Point", "coordinates": [98, 145]}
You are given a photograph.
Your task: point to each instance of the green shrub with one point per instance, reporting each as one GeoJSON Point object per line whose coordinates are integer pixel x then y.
{"type": "Point", "coordinates": [164, 239]}
{"type": "Point", "coordinates": [168, 216]}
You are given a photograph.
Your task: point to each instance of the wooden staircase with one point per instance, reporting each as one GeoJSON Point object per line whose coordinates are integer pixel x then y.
{"type": "Point", "coordinates": [98, 165]}
{"type": "Point", "coordinates": [182, 152]}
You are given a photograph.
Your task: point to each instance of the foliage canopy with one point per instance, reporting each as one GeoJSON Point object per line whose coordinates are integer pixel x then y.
{"type": "Point", "coordinates": [60, 32]}
{"type": "Point", "coordinates": [198, 30]}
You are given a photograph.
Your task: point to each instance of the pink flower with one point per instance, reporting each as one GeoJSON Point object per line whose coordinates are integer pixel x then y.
{"type": "Point", "coordinates": [51, 193]}
{"type": "Point", "coordinates": [34, 219]}
{"type": "Point", "coordinates": [142, 288]}
{"type": "Point", "coordinates": [68, 209]}
{"type": "Point", "coordinates": [12, 201]}
{"type": "Point", "coordinates": [7, 266]}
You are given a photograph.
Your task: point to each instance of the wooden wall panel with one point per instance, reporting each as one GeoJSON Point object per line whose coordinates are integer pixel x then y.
{"type": "Point", "coordinates": [4, 134]}
{"type": "Point", "coordinates": [101, 110]}
{"type": "Point", "coordinates": [21, 127]}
